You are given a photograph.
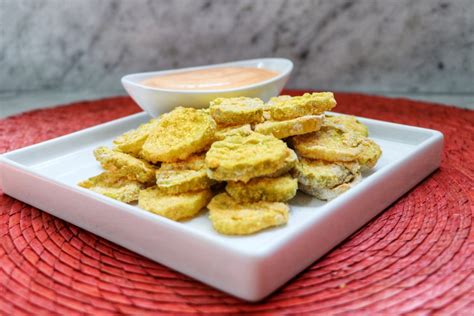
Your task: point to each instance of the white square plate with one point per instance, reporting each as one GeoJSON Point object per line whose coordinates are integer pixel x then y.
{"type": "Point", "coordinates": [251, 267]}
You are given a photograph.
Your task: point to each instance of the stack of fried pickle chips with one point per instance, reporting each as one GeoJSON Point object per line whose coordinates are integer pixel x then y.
{"type": "Point", "coordinates": [233, 158]}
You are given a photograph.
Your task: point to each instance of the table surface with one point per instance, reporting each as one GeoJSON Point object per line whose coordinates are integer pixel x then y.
{"type": "Point", "coordinates": [18, 102]}
{"type": "Point", "coordinates": [416, 257]}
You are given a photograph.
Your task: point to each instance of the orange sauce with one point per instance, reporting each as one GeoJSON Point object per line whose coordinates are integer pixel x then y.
{"type": "Point", "coordinates": [218, 78]}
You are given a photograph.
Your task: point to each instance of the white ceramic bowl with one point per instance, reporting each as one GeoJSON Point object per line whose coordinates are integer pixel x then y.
{"type": "Point", "coordinates": [155, 101]}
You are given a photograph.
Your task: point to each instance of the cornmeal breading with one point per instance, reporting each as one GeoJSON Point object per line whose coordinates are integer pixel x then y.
{"type": "Point", "coordinates": [326, 180]}
{"type": "Point", "coordinates": [334, 144]}
{"type": "Point", "coordinates": [369, 155]}
{"type": "Point", "coordinates": [327, 194]}
{"type": "Point", "coordinates": [280, 189]}
{"type": "Point", "coordinates": [176, 207]}
{"type": "Point", "coordinates": [297, 126]}
{"type": "Point", "coordinates": [231, 217]}
{"type": "Point", "coordinates": [125, 165]}
{"type": "Point", "coordinates": [242, 157]}
{"type": "Point", "coordinates": [178, 135]}
{"type": "Point", "coordinates": [224, 131]}
{"type": "Point", "coordinates": [272, 102]}
{"type": "Point", "coordinates": [238, 146]}
{"type": "Point", "coordinates": [183, 176]}
{"type": "Point", "coordinates": [329, 143]}
{"type": "Point", "coordinates": [132, 141]}
{"type": "Point", "coordinates": [275, 101]}
{"type": "Point", "coordinates": [194, 162]}
{"type": "Point", "coordinates": [283, 108]}
{"type": "Point", "coordinates": [347, 123]}
{"type": "Point", "coordinates": [114, 186]}
{"type": "Point", "coordinates": [179, 181]}
{"type": "Point", "coordinates": [290, 162]}
{"type": "Point", "coordinates": [237, 111]}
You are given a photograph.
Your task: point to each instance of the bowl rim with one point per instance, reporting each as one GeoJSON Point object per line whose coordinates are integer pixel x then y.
{"type": "Point", "coordinates": [287, 68]}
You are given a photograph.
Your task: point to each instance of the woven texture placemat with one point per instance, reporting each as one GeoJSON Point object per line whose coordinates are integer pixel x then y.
{"type": "Point", "coordinates": [417, 256]}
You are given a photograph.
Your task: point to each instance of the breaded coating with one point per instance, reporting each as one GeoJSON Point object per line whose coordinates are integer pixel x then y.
{"type": "Point", "coordinates": [297, 126]}
{"type": "Point", "coordinates": [114, 186]}
{"type": "Point", "coordinates": [290, 162]}
{"type": "Point", "coordinates": [224, 131]}
{"type": "Point", "coordinates": [194, 162]}
{"type": "Point", "coordinates": [369, 155]}
{"type": "Point", "coordinates": [256, 155]}
{"type": "Point", "coordinates": [347, 123]}
{"type": "Point", "coordinates": [231, 217]}
{"type": "Point", "coordinates": [175, 207]}
{"type": "Point", "coordinates": [132, 141]}
{"type": "Point", "coordinates": [183, 176]}
{"type": "Point", "coordinates": [279, 189]}
{"type": "Point", "coordinates": [243, 157]}
{"type": "Point", "coordinates": [274, 101]}
{"type": "Point", "coordinates": [330, 144]}
{"type": "Point", "coordinates": [333, 144]}
{"type": "Point", "coordinates": [283, 108]}
{"type": "Point", "coordinates": [125, 165]}
{"type": "Point", "coordinates": [326, 180]}
{"type": "Point", "coordinates": [178, 135]}
{"type": "Point", "coordinates": [179, 181]}
{"type": "Point", "coordinates": [237, 111]}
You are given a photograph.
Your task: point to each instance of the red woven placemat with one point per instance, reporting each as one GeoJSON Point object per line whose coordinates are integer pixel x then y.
{"type": "Point", "coordinates": [417, 256]}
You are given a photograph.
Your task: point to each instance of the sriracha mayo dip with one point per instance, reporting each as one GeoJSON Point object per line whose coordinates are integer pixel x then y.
{"type": "Point", "coordinates": [218, 78]}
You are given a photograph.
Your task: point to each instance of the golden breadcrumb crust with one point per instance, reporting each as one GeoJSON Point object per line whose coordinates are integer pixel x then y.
{"type": "Point", "coordinates": [347, 123]}
{"type": "Point", "coordinates": [178, 135]}
{"type": "Point", "coordinates": [280, 189]}
{"type": "Point", "coordinates": [326, 180]}
{"type": "Point", "coordinates": [125, 165]}
{"type": "Point", "coordinates": [132, 141]}
{"type": "Point", "coordinates": [242, 157]}
{"type": "Point", "coordinates": [232, 217]}
{"type": "Point", "coordinates": [176, 207]}
{"type": "Point", "coordinates": [284, 108]}
{"type": "Point", "coordinates": [334, 144]}
{"type": "Point", "coordinates": [237, 111]}
{"type": "Point", "coordinates": [297, 126]}
{"type": "Point", "coordinates": [114, 186]}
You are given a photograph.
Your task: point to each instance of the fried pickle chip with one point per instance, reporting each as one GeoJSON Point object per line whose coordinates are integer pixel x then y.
{"type": "Point", "coordinates": [114, 186]}
{"type": "Point", "coordinates": [176, 207]}
{"type": "Point", "coordinates": [283, 108]}
{"type": "Point", "coordinates": [290, 162]}
{"type": "Point", "coordinates": [237, 111]}
{"type": "Point", "coordinates": [280, 189]}
{"type": "Point", "coordinates": [326, 180]}
{"type": "Point", "coordinates": [369, 155]}
{"type": "Point", "coordinates": [330, 144]}
{"type": "Point", "coordinates": [224, 131]}
{"type": "Point", "coordinates": [275, 101]}
{"type": "Point", "coordinates": [194, 162]}
{"type": "Point", "coordinates": [347, 123]}
{"type": "Point", "coordinates": [183, 176]}
{"type": "Point", "coordinates": [179, 181]}
{"type": "Point", "coordinates": [231, 217]}
{"type": "Point", "coordinates": [242, 157]}
{"type": "Point", "coordinates": [297, 126]}
{"type": "Point", "coordinates": [125, 165]}
{"type": "Point", "coordinates": [132, 141]}
{"type": "Point", "coordinates": [272, 102]}
{"type": "Point", "coordinates": [178, 135]}
{"type": "Point", "coordinates": [333, 144]}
